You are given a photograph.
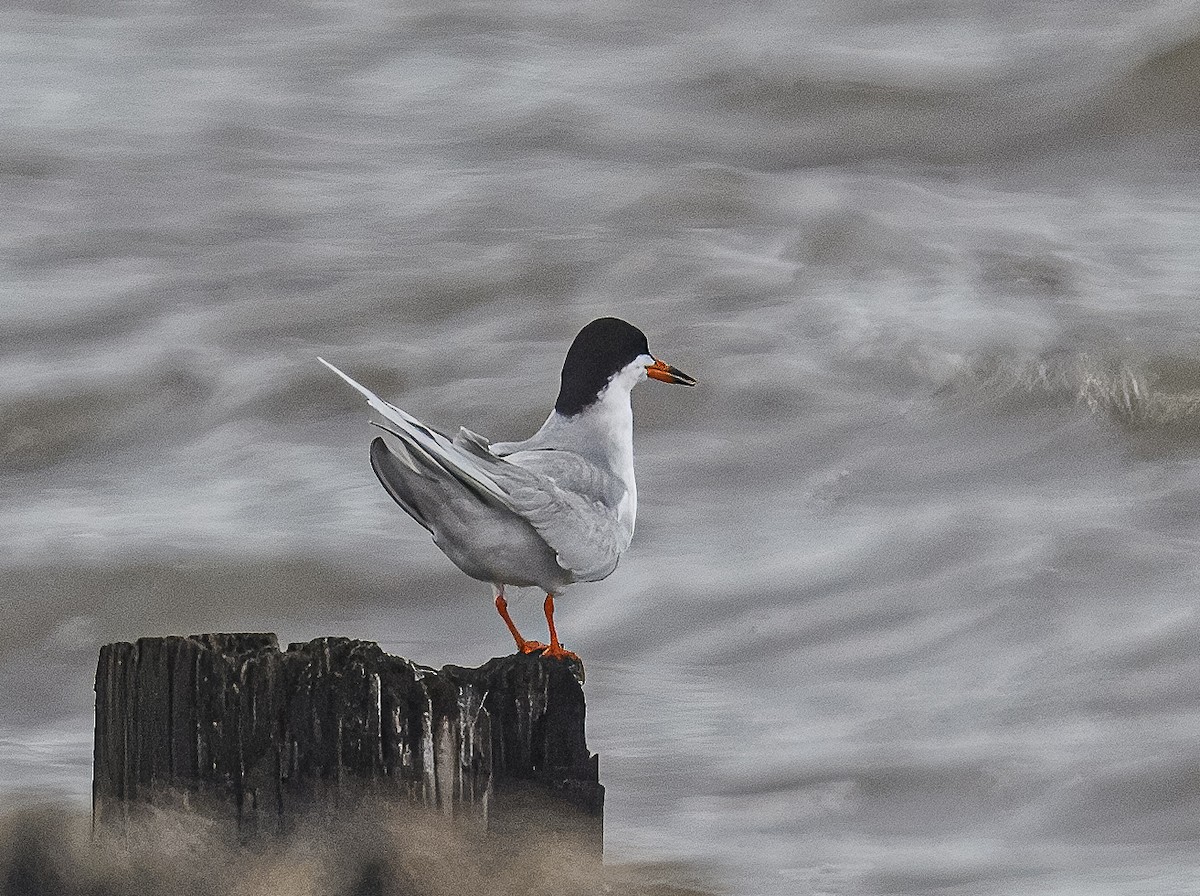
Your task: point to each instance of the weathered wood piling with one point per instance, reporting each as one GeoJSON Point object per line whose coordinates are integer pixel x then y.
{"type": "Point", "coordinates": [228, 726]}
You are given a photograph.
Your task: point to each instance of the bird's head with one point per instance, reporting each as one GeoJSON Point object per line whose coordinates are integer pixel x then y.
{"type": "Point", "coordinates": [609, 351]}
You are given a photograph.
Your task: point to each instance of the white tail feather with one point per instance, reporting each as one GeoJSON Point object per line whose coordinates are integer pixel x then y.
{"type": "Point", "coordinates": [427, 442]}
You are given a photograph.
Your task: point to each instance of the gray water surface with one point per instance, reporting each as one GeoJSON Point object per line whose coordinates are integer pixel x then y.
{"type": "Point", "coordinates": [911, 603]}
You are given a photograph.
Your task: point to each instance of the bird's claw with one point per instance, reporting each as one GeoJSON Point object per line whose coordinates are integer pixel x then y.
{"type": "Point", "coordinates": [558, 652]}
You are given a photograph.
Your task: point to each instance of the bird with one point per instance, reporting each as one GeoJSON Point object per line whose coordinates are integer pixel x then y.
{"type": "Point", "coordinates": [549, 511]}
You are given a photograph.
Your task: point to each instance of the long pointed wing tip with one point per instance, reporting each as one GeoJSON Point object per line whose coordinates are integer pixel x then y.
{"type": "Point", "coordinates": [370, 396]}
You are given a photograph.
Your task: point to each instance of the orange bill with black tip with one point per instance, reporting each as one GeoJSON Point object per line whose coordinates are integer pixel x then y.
{"type": "Point", "coordinates": [660, 370]}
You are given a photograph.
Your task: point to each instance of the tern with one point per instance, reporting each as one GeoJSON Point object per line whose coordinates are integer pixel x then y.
{"type": "Point", "coordinates": [552, 510]}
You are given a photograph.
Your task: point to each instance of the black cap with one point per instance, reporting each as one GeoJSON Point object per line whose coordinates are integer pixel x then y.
{"type": "Point", "coordinates": [602, 348]}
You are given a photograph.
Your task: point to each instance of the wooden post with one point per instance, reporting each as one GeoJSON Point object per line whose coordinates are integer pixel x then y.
{"type": "Point", "coordinates": [228, 726]}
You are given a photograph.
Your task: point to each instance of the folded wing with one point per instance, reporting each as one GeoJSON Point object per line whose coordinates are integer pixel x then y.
{"type": "Point", "coordinates": [570, 502]}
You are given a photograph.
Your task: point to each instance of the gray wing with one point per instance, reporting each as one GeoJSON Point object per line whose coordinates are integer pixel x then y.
{"type": "Point", "coordinates": [572, 503]}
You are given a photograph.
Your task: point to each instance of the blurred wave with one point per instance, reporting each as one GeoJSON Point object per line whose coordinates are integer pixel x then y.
{"type": "Point", "coordinates": [1153, 394]}
{"type": "Point", "coordinates": [1159, 90]}
{"type": "Point", "coordinates": [789, 110]}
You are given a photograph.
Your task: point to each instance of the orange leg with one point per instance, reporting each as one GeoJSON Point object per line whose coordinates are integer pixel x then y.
{"type": "Point", "coordinates": [555, 649]}
{"type": "Point", "coordinates": [522, 645]}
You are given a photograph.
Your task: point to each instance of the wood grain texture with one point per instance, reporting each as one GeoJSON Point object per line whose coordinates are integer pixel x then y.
{"type": "Point", "coordinates": [230, 727]}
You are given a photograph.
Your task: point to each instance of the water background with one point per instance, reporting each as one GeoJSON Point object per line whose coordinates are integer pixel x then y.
{"type": "Point", "coordinates": [911, 606]}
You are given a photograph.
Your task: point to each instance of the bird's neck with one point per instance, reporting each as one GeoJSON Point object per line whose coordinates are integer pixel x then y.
{"type": "Point", "coordinates": [602, 432]}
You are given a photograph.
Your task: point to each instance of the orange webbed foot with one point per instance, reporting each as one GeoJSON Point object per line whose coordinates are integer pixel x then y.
{"type": "Point", "coordinates": [532, 646]}
{"type": "Point", "coordinates": [558, 652]}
